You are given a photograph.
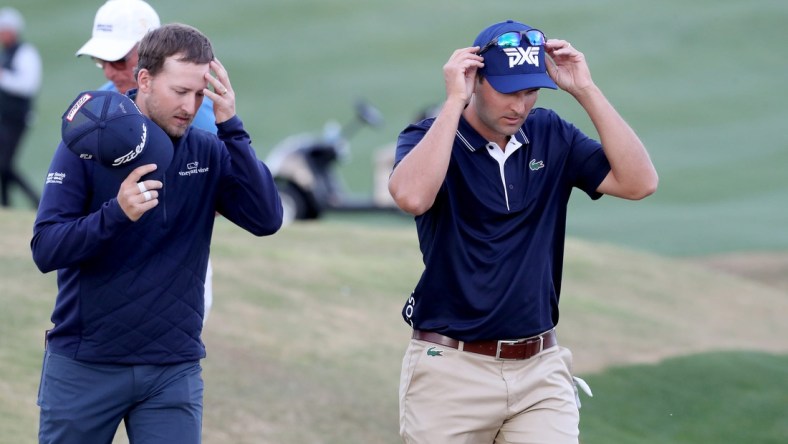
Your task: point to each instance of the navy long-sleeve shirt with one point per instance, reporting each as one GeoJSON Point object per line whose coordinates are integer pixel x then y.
{"type": "Point", "coordinates": [132, 292]}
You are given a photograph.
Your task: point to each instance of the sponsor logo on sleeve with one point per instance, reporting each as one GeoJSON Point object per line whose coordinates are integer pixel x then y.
{"type": "Point", "coordinates": [56, 178]}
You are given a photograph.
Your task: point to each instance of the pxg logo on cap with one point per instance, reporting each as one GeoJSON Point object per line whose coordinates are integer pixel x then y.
{"type": "Point", "coordinates": [512, 69]}
{"type": "Point", "coordinates": [107, 127]}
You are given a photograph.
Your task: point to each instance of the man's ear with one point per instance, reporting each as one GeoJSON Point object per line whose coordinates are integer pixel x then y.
{"type": "Point", "coordinates": [477, 83]}
{"type": "Point", "coordinates": [144, 80]}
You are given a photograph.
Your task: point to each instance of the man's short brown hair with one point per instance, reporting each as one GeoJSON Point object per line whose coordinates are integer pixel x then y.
{"type": "Point", "coordinates": [188, 43]}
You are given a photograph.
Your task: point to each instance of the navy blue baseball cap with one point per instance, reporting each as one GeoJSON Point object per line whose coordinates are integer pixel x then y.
{"type": "Point", "coordinates": [512, 65]}
{"type": "Point", "coordinates": [107, 127]}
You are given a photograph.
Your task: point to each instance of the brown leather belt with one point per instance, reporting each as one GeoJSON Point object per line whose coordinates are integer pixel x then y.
{"type": "Point", "coordinates": [504, 350]}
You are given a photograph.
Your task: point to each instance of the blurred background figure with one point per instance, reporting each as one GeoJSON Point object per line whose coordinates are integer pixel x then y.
{"type": "Point", "coordinates": [20, 81]}
{"type": "Point", "coordinates": [118, 27]}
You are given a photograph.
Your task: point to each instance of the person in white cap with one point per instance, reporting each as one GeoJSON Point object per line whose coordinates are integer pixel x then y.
{"type": "Point", "coordinates": [117, 30]}
{"type": "Point", "coordinates": [20, 81]}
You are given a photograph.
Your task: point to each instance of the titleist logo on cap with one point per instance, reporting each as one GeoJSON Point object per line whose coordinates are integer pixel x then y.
{"type": "Point", "coordinates": [131, 155]}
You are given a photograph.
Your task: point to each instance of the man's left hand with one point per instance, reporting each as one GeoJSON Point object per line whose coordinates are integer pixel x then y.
{"type": "Point", "coordinates": [222, 95]}
{"type": "Point", "coordinates": [568, 69]}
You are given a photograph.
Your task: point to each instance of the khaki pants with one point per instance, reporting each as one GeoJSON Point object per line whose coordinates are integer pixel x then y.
{"type": "Point", "coordinates": [451, 396]}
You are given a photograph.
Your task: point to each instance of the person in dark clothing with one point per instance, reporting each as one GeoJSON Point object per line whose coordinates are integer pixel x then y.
{"type": "Point", "coordinates": [488, 181]}
{"type": "Point", "coordinates": [20, 80]}
{"type": "Point", "coordinates": [131, 252]}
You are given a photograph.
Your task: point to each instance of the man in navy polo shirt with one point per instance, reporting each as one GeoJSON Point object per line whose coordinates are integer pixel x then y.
{"type": "Point", "coordinates": [489, 180]}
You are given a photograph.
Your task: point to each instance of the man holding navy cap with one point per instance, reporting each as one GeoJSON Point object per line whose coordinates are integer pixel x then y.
{"type": "Point", "coordinates": [488, 181]}
{"type": "Point", "coordinates": [126, 218]}
{"type": "Point", "coordinates": [118, 27]}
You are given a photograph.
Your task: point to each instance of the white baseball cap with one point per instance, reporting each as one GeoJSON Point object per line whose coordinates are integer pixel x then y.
{"type": "Point", "coordinates": [119, 25]}
{"type": "Point", "coordinates": [11, 19]}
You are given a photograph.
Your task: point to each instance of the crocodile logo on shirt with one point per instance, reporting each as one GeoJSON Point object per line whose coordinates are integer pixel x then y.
{"type": "Point", "coordinates": [535, 166]}
{"type": "Point", "coordinates": [432, 352]}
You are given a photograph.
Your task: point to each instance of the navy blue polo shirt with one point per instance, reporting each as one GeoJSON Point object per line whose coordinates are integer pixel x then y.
{"type": "Point", "coordinates": [493, 241]}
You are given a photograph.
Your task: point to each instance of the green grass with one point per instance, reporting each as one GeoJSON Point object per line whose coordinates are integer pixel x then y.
{"type": "Point", "coordinates": [306, 329]}
{"type": "Point", "coordinates": [306, 326]}
{"type": "Point", "coordinates": [702, 83]}
{"type": "Point", "coordinates": [714, 397]}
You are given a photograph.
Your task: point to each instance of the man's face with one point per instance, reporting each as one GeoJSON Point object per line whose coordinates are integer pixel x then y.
{"type": "Point", "coordinates": [501, 115]}
{"type": "Point", "coordinates": [7, 37]}
{"type": "Point", "coordinates": [172, 97]}
{"type": "Point", "coordinates": [120, 72]}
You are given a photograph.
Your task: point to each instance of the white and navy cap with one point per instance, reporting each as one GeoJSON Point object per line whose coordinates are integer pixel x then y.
{"type": "Point", "coordinates": [107, 127]}
{"type": "Point", "coordinates": [517, 67]}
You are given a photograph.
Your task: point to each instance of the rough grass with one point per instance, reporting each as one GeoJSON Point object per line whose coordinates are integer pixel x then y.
{"type": "Point", "coordinates": [306, 326]}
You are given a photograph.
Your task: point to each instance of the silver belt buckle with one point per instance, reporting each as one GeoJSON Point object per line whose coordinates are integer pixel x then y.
{"type": "Point", "coordinates": [515, 342]}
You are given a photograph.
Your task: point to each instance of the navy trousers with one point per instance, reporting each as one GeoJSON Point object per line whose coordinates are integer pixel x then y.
{"type": "Point", "coordinates": [85, 402]}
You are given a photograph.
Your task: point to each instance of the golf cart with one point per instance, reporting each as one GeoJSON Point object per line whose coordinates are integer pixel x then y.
{"type": "Point", "coordinates": [304, 167]}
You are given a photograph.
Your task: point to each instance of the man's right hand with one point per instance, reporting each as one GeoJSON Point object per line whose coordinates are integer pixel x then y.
{"type": "Point", "coordinates": [460, 73]}
{"type": "Point", "coordinates": [135, 197]}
